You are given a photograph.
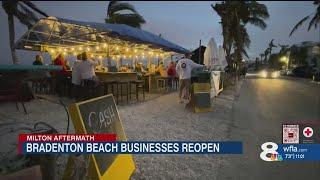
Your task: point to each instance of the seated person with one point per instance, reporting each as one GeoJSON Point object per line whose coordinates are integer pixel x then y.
{"type": "Point", "coordinates": [60, 61]}
{"type": "Point", "coordinates": [76, 78]}
{"type": "Point", "coordinates": [87, 68]}
{"type": "Point", "coordinates": [38, 61]}
{"type": "Point", "coordinates": [87, 72]}
{"type": "Point", "coordinates": [161, 70]}
{"type": "Point", "coordinates": [67, 65]}
{"type": "Point", "coordinates": [60, 77]}
{"type": "Point", "coordinates": [139, 68]}
{"type": "Point", "coordinates": [171, 71]}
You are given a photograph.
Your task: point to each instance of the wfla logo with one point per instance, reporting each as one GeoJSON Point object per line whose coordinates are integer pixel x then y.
{"type": "Point", "coordinates": [269, 152]}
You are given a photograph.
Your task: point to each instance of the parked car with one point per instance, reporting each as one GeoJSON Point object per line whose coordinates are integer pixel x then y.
{"type": "Point", "coordinates": [316, 74]}
{"type": "Point", "coordinates": [303, 71]}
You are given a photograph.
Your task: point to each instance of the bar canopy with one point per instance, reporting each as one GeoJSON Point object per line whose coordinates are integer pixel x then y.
{"type": "Point", "coordinates": [58, 35]}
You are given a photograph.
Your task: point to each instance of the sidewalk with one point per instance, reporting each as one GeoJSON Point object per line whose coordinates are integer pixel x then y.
{"type": "Point", "coordinates": [165, 119]}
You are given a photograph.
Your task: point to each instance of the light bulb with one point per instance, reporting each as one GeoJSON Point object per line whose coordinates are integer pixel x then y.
{"type": "Point", "coordinates": [97, 47]}
{"type": "Point", "coordinates": [72, 49]}
{"type": "Point", "coordinates": [88, 49]}
{"type": "Point", "coordinates": [80, 48]}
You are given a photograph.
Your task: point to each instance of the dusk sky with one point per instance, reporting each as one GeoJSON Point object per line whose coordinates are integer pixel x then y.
{"type": "Point", "coordinates": [183, 23]}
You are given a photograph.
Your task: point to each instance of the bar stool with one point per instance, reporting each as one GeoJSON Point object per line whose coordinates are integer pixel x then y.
{"type": "Point", "coordinates": [111, 83]}
{"type": "Point", "coordinates": [163, 81]}
{"type": "Point", "coordinates": [139, 85]}
{"type": "Point", "coordinates": [87, 89]}
{"type": "Point", "coordinates": [121, 83]}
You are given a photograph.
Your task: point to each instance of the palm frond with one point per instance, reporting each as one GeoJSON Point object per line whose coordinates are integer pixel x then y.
{"type": "Point", "coordinates": [257, 22]}
{"type": "Point", "coordinates": [25, 16]}
{"type": "Point", "coordinates": [315, 20]}
{"type": "Point", "coordinates": [120, 6]}
{"type": "Point", "coordinates": [35, 8]}
{"type": "Point", "coordinates": [134, 20]}
{"type": "Point", "coordinates": [299, 24]}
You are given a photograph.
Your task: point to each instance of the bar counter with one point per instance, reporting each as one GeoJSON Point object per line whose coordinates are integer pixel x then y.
{"type": "Point", "coordinates": [116, 76]}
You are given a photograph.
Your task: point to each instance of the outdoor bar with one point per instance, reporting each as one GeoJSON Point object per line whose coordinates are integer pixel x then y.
{"type": "Point", "coordinates": [117, 48]}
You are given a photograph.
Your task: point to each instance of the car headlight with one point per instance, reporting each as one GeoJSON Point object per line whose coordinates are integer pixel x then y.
{"type": "Point", "coordinates": [275, 74]}
{"type": "Point", "coordinates": [263, 74]}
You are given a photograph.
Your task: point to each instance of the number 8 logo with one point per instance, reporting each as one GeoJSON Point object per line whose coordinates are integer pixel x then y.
{"type": "Point", "coordinates": [266, 150]}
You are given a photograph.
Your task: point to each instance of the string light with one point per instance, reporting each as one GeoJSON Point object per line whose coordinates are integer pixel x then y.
{"type": "Point", "coordinates": [127, 49]}
{"type": "Point", "coordinates": [65, 50]}
{"type": "Point", "coordinates": [72, 49]}
{"type": "Point", "coordinates": [97, 47]}
{"type": "Point", "coordinates": [52, 51]}
{"type": "Point", "coordinates": [59, 49]}
{"type": "Point", "coordinates": [74, 53]}
{"type": "Point", "coordinates": [80, 48]}
{"type": "Point", "coordinates": [117, 48]}
{"type": "Point", "coordinates": [100, 57]}
{"type": "Point", "coordinates": [135, 51]}
{"type": "Point", "coordinates": [88, 49]}
{"type": "Point", "coordinates": [104, 45]}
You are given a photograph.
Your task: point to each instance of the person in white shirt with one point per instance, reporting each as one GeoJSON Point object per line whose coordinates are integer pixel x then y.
{"type": "Point", "coordinates": [183, 69]}
{"type": "Point", "coordinates": [76, 78]}
{"type": "Point", "coordinates": [87, 67]}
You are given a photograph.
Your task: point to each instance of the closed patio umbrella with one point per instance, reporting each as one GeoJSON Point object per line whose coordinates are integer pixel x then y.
{"type": "Point", "coordinates": [211, 54]}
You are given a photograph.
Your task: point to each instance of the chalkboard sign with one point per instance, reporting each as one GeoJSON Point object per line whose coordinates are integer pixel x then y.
{"type": "Point", "coordinates": [100, 115]}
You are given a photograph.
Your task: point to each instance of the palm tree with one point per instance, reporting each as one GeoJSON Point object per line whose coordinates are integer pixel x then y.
{"type": "Point", "coordinates": [313, 22]}
{"type": "Point", "coordinates": [235, 15]}
{"type": "Point", "coordinates": [23, 11]}
{"type": "Point", "coordinates": [271, 45]}
{"type": "Point", "coordinates": [284, 49]}
{"type": "Point", "coordinates": [114, 15]}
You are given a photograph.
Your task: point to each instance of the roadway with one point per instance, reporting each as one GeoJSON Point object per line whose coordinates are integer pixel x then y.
{"type": "Point", "coordinates": [257, 117]}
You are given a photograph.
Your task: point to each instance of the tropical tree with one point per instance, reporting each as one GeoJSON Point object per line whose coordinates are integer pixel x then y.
{"type": "Point", "coordinates": [24, 11]}
{"type": "Point", "coordinates": [271, 45]}
{"type": "Point", "coordinates": [116, 15]}
{"type": "Point", "coordinates": [235, 15]}
{"type": "Point", "coordinates": [313, 22]}
{"type": "Point", "coordinates": [283, 49]}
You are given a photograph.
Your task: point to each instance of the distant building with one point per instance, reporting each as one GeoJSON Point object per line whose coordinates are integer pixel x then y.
{"type": "Point", "coordinates": [312, 53]}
